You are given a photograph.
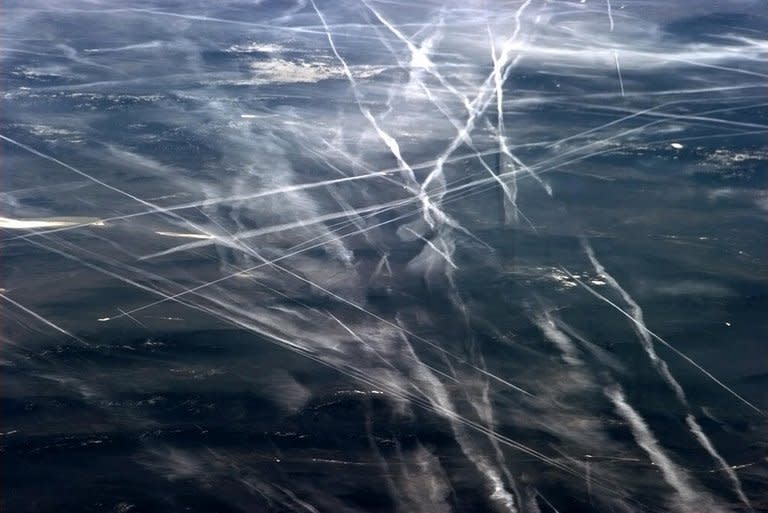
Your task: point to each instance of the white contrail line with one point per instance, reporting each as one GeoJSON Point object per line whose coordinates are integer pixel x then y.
{"type": "Point", "coordinates": [420, 60]}
{"type": "Point", "coordinates": [194, 290]}
{"type": "Point", "coordinates": [99, 182]}
{"type": "Point", "coordinates": [510, 193]}
{"type": "Point", "coordinates": [618, 71]}
{"type": "Point", "coordinates": [664, 342]}
{"type": "Point", "coordinates": [639, 326]}
{"type": "Point", "coordinates": [663, 369]}
{"type": "Point", "coordinates": [437, 250]}
{"type": "Point", "coordinates": [44, 320]}
{"type": "Point", "coordinates": [390, 171]}
{"type": "Point", "coordinates": [673, 475]}
{"type": "Point", "coordinates": [388, 140]}
{"type": "Point", "coordinates": [237, 237]}
{"type": "Point", "coordinates": [419, 57]}
{"type": "Point", "coordinates": [472, 185]}
{"type": "Point", "coordinates": [362, 309]}
{"type": "Point", "coordinates": [352, 372]}
{"type": "Point", "coordinates": [705, 442]}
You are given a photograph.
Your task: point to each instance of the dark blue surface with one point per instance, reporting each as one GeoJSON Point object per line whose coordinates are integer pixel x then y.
{"type": "Point", "coordinates": [288, 257]}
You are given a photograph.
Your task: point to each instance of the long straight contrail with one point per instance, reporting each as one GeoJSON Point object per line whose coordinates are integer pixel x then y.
{"type": "Point", "coordinates": [44, 320]}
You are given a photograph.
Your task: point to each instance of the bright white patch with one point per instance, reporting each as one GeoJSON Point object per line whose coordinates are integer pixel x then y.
{"type": "Point", "coordinates": [255, 47]}
{"type": "Point", "coordinates": [30, 224]}
{"type": "Point", "coordinates": [283, 71]}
